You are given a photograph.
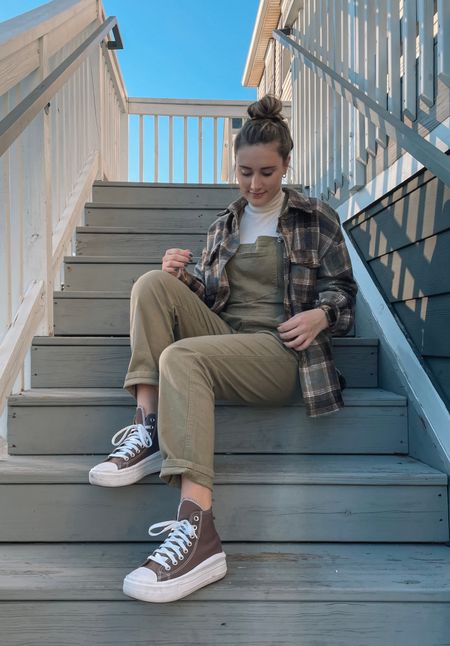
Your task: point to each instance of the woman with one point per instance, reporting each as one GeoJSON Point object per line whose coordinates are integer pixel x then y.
{"type": "Point", "coordinates": [252, 324]}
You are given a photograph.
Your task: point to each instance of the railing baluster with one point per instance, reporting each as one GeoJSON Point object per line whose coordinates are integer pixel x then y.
{"type": "Point", "coordinates": [330, 18]}
{"type": "Point", "coordinates": [155, 127]}
{"type": "Point", "coordinates": [359, 68]}
{"type": "Point", "coordinates": [200, 149]}
{"type": "Point", "coordinates": [426, 59]}
{"type": "Point", "coordinates": [310, 99]}
{"type": "Point", "coordinates": [356, 168]}
{"type": "Point", "coordinates": [170, 149]}
{"type": "Point", "coordinates": [443, 41]}
{"type": "Point", "coordinates": [185, 132]}
{"type": "Point", "coordinates": [317, 103]}
{"type": "Point", "coordinates": [381, 65]}
{"type": "Point", "coordinates": [409, 59]}
{"type": "Point", "coordinates": [345, 107]}
{"type": "Point", "coordinates": [393, 29]}
{"type": "Point", "coordinates": [336, 46]}
{"type": "Point", "coordinates": [215, 150]}
{"type": "Point", "coordinates": [5, 232]}
{"type": "Point", "coordinates": [323, 107]}
{"type": "Point", "coordinates": [371, 69]}
{"type": "Point", "coordinates": [141, 147]}
{"type": "Point", "coordinates": [295, 122]}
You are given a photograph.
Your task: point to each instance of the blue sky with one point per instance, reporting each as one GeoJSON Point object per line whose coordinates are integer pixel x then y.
{"type": "Point", "coordinates": [176, 49]}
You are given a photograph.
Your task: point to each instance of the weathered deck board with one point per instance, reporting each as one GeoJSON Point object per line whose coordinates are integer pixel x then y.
{"type": "Point", "coordinates": [144, 217]}
{"type": "Point", "coordinates": [224, 624]}
{"type": "Point", "coordinates": [104, 365]}
{"type": "Point", "coordinates": [124, 242]}
{"type": "Point", "coordinates": [283, 498]}
{"type": "Point", "coordinates": [244, 512]}
{"type": "Point", "coordinates": [256, 572]}
{"type": "Point", "coordinates": [371, 422]}
{"type": "Point", "coordinates": [168, 195]}
{"type": "Point", "coordinates": [249, 469]}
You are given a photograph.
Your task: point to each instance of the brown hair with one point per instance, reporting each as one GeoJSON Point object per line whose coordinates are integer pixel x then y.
{"type": "Point", "coordinates": [266, 124]}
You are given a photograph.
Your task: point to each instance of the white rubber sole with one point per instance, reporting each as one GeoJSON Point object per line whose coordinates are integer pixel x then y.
{"type": "Point", "coordinates": [209, 571]}
{"type": "Point", "coordinates": [127, 476]}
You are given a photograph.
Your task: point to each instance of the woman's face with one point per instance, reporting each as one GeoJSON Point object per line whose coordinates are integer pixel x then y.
{"type": "Point", "coordinates": [259, 169]}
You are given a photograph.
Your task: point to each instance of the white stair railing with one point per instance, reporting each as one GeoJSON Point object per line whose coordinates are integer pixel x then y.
{"type": "Point", "coordinates": [63, 124]}
{"type": "Point", "coordinates": [395, 53]}
{"type": "Point", "coordinates": [185, 140]}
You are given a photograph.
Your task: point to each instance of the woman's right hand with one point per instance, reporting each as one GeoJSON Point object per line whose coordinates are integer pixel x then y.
{"type": "Point", "coordinates": [175, 260]}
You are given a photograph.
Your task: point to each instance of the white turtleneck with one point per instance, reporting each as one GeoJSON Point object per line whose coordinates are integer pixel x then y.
{"type": "Point", "coordinates": [260, 220]}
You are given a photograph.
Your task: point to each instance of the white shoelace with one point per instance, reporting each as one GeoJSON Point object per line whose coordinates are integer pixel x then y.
{"type": "Point", "coordinates": [130, 439]}
{"type": "Point", "coordinates": [181, 531]}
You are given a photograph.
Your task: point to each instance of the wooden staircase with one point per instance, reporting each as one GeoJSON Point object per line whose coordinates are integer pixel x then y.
{"type": "Point", "coordinates": [334, 534]}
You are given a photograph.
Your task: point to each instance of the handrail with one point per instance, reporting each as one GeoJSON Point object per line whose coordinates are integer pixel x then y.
{"type": "Point", "coordinates": [17, 120]}
{"type": "Point", "coordinates": [427, 154]}
{"type": "Point", "coordinates": [49, 159]}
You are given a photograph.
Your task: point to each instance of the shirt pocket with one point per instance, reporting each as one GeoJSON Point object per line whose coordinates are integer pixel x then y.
{"type": "Point", "coordinates": [303, 275]}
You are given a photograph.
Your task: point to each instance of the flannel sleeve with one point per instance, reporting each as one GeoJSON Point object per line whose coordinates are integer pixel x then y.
{"type": "Point", "coordinates": [196, 280]}
{"type": "Point", "coordinates": [336, 286]}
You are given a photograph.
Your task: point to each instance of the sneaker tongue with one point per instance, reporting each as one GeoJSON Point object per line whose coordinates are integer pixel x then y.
{"type": "Point", "coordinates": [186, 508]}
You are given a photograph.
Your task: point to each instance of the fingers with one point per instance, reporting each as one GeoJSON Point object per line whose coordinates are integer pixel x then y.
{"type": "Point", "coordinates": [297, 342]}
{"type": "Point", "coordinates": [290, 334]}
{"type": "Point", "coordinates": [174, 260]}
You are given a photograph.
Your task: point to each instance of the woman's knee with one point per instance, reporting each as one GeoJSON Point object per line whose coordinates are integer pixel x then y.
{"type": "Point", "coordinates": [177, 356]}
{"type": "Point", "coordinates": [156, 279]}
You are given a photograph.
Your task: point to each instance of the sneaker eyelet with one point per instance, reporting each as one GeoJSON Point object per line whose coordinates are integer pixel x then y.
{"type": "Point", "coordinates": [181, 557]}
{"type": "Point", "coordinates": [167, 568]}
{"type": "Point", "coordinates": [126, 458]}
{"type": "Point", "coordinates": [175, 563]}
{"type": "Point", "coordinates": [132, 455]}
{"type": "Point", "coordinates": [196, 518]}
{"type": "Point", "coordinates": [185, 550]}
{"type": "Point", "coordinates": [189, 543]}
{"type": "Point", "coordinates": [195, 527]}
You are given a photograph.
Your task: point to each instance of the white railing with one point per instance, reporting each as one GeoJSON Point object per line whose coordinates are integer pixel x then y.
{"type": "Point", "coordinates": [394, 51]}
{"type": "Point", "coordinates": [46, 173]}
{"type": "Point", "coordinates": [184, 140]}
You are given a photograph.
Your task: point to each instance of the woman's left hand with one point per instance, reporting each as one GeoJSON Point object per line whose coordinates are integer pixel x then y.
{"type": "Point", "coordinates": [300, 330]}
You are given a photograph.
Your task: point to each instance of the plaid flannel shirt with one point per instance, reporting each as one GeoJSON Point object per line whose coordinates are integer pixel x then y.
{"type": "Point", "coordinates": [317, 270]}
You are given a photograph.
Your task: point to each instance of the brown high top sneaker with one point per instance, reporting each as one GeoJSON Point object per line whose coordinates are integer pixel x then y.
{"type": "Point", "coordinates": [190, 558]}
{"type": "Point", "coordinates": [136, 456]}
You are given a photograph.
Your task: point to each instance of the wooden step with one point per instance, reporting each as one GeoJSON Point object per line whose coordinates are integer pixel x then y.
{"type": "Point", "coordinates": [100, 313]}
{"type": "Point", "coordinates": [256, 572]}
{"type": "Point", "coordinates": [84, 420]}
{"type": "Point", "coordinates": [107, 274]}
{"type": "Point", "coordinates": [88, 313]}
{"type": "Point", "coordinates": [79, 362]}
{"type": "Point", "coordinates": [121, 241]}
{"type": "Point", "coordinates": [344, 498]}
{"type": "Point", "coordinates": [182, 219]}
{"type": "Point", "coordinates": [168, 195]}
{"type": "Point", "coordinates": [272, 595]}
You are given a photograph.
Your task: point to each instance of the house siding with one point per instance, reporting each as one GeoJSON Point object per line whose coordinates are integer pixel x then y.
{"type": "Point", "coordinates": [404, 240]}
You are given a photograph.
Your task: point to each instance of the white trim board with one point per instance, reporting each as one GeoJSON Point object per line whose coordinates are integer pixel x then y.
{"type": "Point", "coordinates": [416, 381]}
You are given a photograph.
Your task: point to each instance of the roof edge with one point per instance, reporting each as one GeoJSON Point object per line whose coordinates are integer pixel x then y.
{"type": "Point", "coordinates": [267, 18]}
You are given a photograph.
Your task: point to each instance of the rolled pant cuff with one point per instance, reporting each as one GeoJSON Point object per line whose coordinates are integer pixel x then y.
{"type": "Point", "coordinates": [133, 379]}
{"type": "Point", "coordinates": [172, 470]}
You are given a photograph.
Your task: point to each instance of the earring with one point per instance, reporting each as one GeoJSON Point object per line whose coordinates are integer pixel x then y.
{"type": "Point", "coordinates": [284, 175]}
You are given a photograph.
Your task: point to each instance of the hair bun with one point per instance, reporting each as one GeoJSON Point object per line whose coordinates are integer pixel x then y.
{"type": "Point", "coordinates": [269, 107]}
